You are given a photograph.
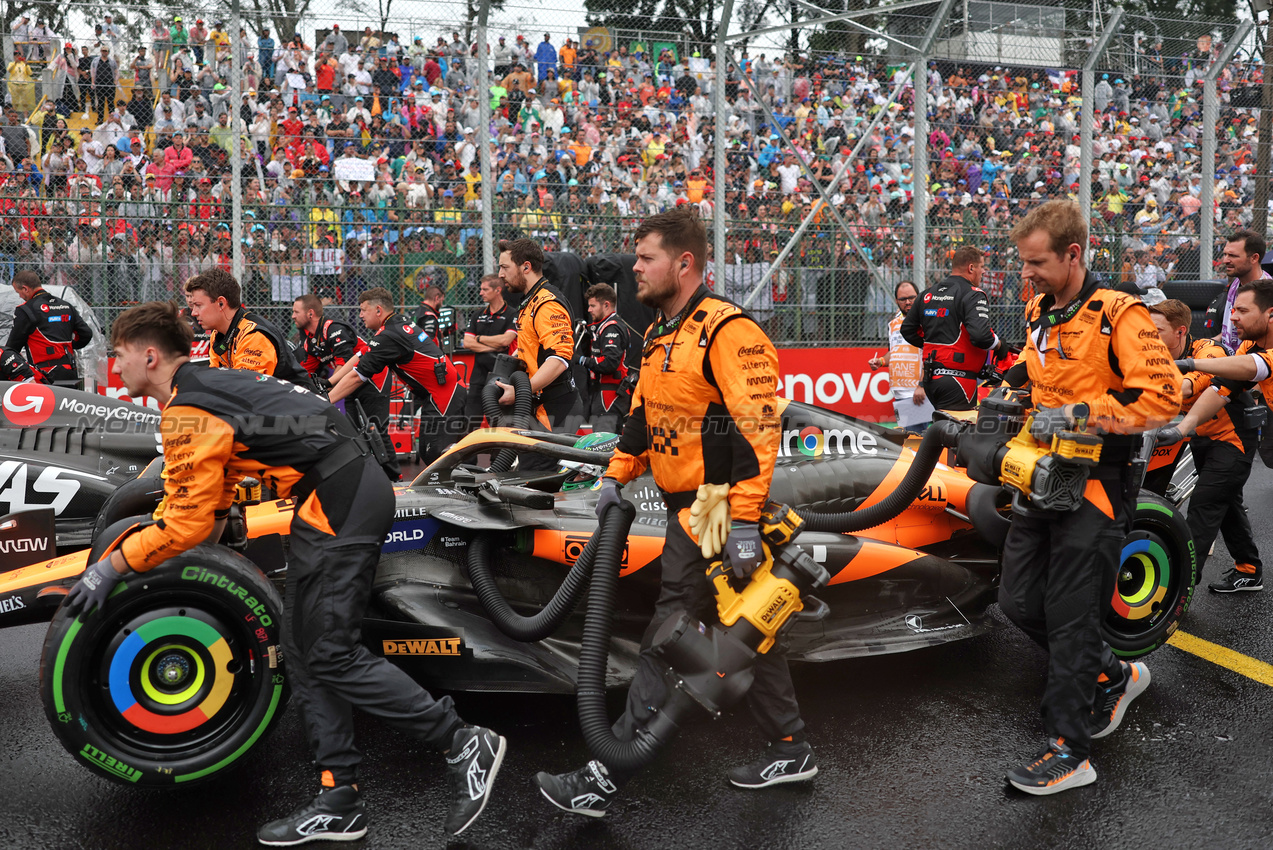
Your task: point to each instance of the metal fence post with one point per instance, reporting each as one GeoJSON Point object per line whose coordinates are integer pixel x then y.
{"type": "Point", "coordinates": [1088, 117]}
{"type": "Point", "coordinates": [1211, 117]}
{"type": "Point", "coordinates": [485, 71]}
{"type": "Point", "coordinates": [236, 158]}
{"type": "Point", "coordinates": [919, 177]}
{"type": "Point", "coordinates": [718, 149]}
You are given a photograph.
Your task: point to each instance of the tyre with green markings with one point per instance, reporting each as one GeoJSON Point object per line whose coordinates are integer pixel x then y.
{"type": "Point", "coordinates": [1155, 580]}
{"type": "Point", "coordinates": [176, 679]}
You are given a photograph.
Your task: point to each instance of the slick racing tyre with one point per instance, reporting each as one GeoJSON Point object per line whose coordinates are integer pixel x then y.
{"type": "Point", "coordinates": [139, 496]}
{"type": "Point", "coordinates": [1155, 579]}
{"type": "Point", "coordinates": [177, 679]}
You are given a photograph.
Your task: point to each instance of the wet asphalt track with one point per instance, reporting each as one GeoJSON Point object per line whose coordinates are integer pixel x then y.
{"type": "Point", "coordinates": [912, 750]}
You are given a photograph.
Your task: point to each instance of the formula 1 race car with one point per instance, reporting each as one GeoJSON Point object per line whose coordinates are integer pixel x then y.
{"type": "Point", "coordinates": [182, 673]}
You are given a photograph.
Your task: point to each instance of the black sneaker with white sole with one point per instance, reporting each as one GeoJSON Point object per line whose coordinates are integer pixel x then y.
{"type": "Point", "coordinates": [1054, 770]}
{"type": "Point", "coordinates": [1234, 581]}
{"type": "Point", "coordinates": [471, 765]}
{"type": "Point", "coordinates": [587, 791]}
{"type": "Point", "coordinates": [783, 761]}
{"type": "Point", "coordinates": [336, 814]}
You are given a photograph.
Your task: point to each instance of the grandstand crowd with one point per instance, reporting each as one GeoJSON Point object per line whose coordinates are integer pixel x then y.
{"type": "Point", "coordinates": [361, 165]}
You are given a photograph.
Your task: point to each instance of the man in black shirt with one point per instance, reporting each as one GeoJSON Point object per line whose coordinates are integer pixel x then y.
{"type": "Point", "coordinates": [490, 332]}
{"type": "Point", "coordinates": [50, 330]}
{"type": "Point", "coordinates": [427, 316]}
{"type": "Point", "coordinates": [403, 347]}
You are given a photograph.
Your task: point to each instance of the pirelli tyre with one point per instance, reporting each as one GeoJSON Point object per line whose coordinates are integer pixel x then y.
{"type": "Point", "coordinates": [1155, 579]}
{"type": "Point", "coordinates": [176, 679]}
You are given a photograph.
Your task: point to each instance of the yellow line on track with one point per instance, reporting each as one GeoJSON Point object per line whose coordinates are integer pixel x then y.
{"type": "Point", "coordinates": [1227, 658]}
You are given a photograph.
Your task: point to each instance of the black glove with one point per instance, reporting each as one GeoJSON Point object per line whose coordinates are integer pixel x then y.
{"type": "Point", "coordinates": [1168, 436]}
{"type": "Point", "coordinates": [1049, 421]}
{"type": "Point", "coordinates": [93, 588]}
{"type": "Point", "coordinates": [439, 372]}
{"type": "Point", "coordinates": [743, 550]}
{"type": "Point", "coordinates": [1185, 364]}
{"type": "Point", "coordinates": [583, 360]}
{"type": "Point", "coordinates": [608, 495]}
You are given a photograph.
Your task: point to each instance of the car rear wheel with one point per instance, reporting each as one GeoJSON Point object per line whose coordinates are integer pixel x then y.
{"type": "Point", "coordinates": [176, 679]}
{"type": "Point", "coordinates": [1155, 579]}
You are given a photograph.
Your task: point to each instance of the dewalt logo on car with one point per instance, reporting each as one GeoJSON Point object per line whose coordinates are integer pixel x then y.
{"type": "Point", "coordinates": [436, 646]}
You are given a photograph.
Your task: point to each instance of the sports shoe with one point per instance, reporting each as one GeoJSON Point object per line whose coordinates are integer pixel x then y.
{"type": "Point", "coordinates": [587, 791]}
{"type": "Point", "coordinates": [1112, 702]}
{"type": "Point", "coordinates": [1234, 580]}
{"type": "Point", "coordinates": [1054, 770]}
{"type": "Point", "coordinates": [474, 760]}
{"type": "Point", "coordinates": [783, 761]}
{"type": "Point", "coordinates": [336, 814]}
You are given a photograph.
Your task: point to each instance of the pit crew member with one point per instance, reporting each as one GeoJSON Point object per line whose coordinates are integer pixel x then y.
{"type": "Point", "coordinates": [490, 332]}
{"type": "Point", "coordinates": [49, 329]}
{"type": "Point", "coordinates": [705, 361]}
{"type": "Point", "coordinates": [608, 400]}
{"type": "Point", "coordinates": [950, 323]}
{"type": "Point", "coordinates": [1094, 360]}
{"type": "Point", "coordinates": [345, 508]}
{"type": "Point", "coordinates": [14, 368]}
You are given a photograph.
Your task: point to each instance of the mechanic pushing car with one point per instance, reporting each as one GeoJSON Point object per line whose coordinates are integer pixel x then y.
{"type": "Point", "coordinates": [410, 352]}
{"type": "Point", "coordinates": [1223, 449]}
{"type": "Point", "coordinates": [240, 339]}
{"type": "Point", "coordinates": [1095, 363]}
{"type": "Point", "coordinates": [1249, 369]}
{"type": "Point", "coordinates": [608, 400]}
{"type": "Point", "coordinates": [951, 324]}
{"type": "Point", "coordinates": [344, 510]}
{"type": "Point", "coordinates": [327, 345]}
{"type": "Point", "coordinates": [50, 330]}
{"type": "Point", "coordinates": [545, 343]}
{"type": "Point", "coordinates": [704, 413]}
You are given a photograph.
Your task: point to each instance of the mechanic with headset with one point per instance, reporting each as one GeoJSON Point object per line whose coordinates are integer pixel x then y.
{"type": "Point", "coordinates": [240, 339]}
{"type": "Point", "coordinates": [1249, 369]}
{"type": "Point", "coordinates": [706, 363]}
{"type": "Point", "coordinates": [212, 438]}
{"type": "Point", "coordinates": [545, 344]}
{"type": "Point", "coordinates": [326, 345]}
{"type": "Point", "coordinates": [1094, 360]}
{"type": "Point", "coordinates": [905, 367]}
{"type": "Point", "coordinates": [1223, 449]}
{"type": "Point", "coordinates": [427, 318]}
{"type": "Point", "coordinates": [415, 358]}
{"type": "Point", "coordinates": [951, 324]}
{"type": "Point", "coordinates": [608, 400]}
{"type": "Point", "coordinates": [50, 330]}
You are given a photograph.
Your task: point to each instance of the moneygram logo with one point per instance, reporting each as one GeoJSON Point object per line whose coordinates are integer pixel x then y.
{"type": "Point", "coordinates": [26, 405]}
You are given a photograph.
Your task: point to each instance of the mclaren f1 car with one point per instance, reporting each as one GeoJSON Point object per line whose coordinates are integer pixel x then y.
{"type": "Point", "coordinates": [182, 672]}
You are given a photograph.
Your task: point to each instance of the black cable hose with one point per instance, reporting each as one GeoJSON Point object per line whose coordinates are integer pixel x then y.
{"type": "Point", "coordinates": [939, 435]}
{"type": "Point", "coordinates": [623, 756]}
{"type": "Point", "coordinates": [523, 405]}
{"type": "Point", "coordinates": [544, 623]}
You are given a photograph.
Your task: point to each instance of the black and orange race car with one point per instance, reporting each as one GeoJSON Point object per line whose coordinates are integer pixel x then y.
{"type": "Point", "coordinates": [182, 673]}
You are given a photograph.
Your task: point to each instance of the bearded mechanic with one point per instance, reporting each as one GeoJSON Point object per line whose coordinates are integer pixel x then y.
{"type": "Point", "coordinates": [704, 413]}
{"type": "Point", "coordinates": [220, 425]}
{"type": "Point", "coordinates": [1094, 361]}
{"type": "Point", "coordinates": [1249, 369]}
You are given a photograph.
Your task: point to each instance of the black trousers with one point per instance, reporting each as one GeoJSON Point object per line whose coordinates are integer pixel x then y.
{"type": "Point", "coordinates": [684, 587]}
{"type": "Point", "coordinates": [947, 393]}
{"type": "Point", "coordinates": [441, 428]}
{"type": "Point", "coordinates": [375, 403]}
{"type": "Point", "coordinates": [335, 544]}
{"type": "Point", "coordinates": [1216, 505]}
{"type": "Point", "coordinates": [1058, 578]}
{"type": "Point", "coordinates": [103, 101]}
{"type": "Point", "coordinates": [473, 413]}
{"type": "Point", "coordinates": [565, 415]}
{"type": "Point", "coordinates": [603, 419]}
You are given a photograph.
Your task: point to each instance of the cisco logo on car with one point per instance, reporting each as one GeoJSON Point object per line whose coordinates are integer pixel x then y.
{"type": "Point", "coordinates": [28, 404]}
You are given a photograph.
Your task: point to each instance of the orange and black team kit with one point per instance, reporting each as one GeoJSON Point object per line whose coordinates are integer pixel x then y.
{"type": "Point", "coordinates": [331, 346]}
{"type": "Point", "coordinates": [223, 425]}
{"type": "Point", "coordinates": [51, 331]}
{"type": "Point", "coordinates": [545, 332]}
{"type": "Point", "coordinates": [951, 323]}
{"type": "Point", "coordinates": [415, 358]}
{"type": "Point", "coordinates": [608, 402]}
{"type": "Point", "coordinates": [1223, 450]}
{"type": "Point", "coordinates": [255, 344]}
{"type": "Point", "coordinates": [1101, 351]}
{"type": "Point", "coordinates": [704, 412]}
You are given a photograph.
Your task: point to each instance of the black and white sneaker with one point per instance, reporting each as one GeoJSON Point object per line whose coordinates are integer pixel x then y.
{"type": "Point", "coordinates": [1112, 702]}
{"type": "Point", "coordinates": [783, 761]}
{"type": "Point", "coordinates": [336, 814]}
{"type": "Point", "coordinates": [1234, 581]}
{"type": "Point", "coordinates": [587, 791]}
{"type": "Point", "coordinates": [474, 760]}
{"type": "Point", "coordinates": [1054, 770]}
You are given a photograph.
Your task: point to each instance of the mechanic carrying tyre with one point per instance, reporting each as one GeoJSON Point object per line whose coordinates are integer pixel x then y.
{"type": "Point", "coordinates": [951, 323]}
{"type": "Point", "coordinates": [1223, 448]}
{"type": "Point", "coordinates": [1089, 354]}
{"type": "Point", "coordinates": [704, 413]}
{"type": "Point", "coordinates": [221, 425]}
{"type": "Point", "coordinates": [1252, 366]}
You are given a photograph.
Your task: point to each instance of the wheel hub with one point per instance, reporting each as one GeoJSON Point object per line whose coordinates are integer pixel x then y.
{"type": "Point", "coordinates": [171, 671]}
